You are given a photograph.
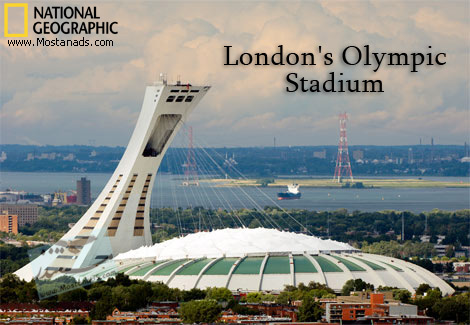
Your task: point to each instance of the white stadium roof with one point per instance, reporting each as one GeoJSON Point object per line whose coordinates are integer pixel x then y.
{"type": "Point", "coordinates": [236, 242]}
{"type": "Point", "coordinates": [263, 260]}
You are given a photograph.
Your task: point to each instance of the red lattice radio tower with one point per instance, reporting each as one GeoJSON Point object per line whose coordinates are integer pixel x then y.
{"type": "Point", "coordinates": [190, 167]}
{"type": "Point", "coordinates": [343, 165]}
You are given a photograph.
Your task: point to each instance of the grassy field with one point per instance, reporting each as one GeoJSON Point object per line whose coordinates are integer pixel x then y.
{"type": "Point", "coordinates": [328, 183]}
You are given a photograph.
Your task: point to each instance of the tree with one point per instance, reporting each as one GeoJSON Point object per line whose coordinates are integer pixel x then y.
{"type": "Point", "coordinates": [193, 294]}
{"type": "Point", "coordinates": [121, 297]}
{"type": "Point", "coordinates": [79, 294]}
{"type": "Point", "coordinates": [254, 297]}
{"type": "Point", "coordinates": [97, 291]}
{"type": "Point", "coordinates": [450, 251]}
{"type": "Point", "coordinates": [422, 289]}
{"type": "Point", "coordinates": [285, 297]}
{"type": "Point", "coordinates": [402, 294]}
{"type": "Point", "coordinates": [8, 288]}
{"type": "Point", "coordinates": [455, 308]}
{"type": "Point", "coordinates": [265, 181]}
{"type": "Point", "coordinates": [243, 310]}
{"type": "Point", "coordinates": [140, 295]}
{"type": "Point", "coordinates": [427, 302]}
{"type": "Point", "coordinates": [355, 285]}
{"type": "Point", "coordinates": [161, 292]}
{"type": "Point", "coordinates": [200, 311]}
{"type": "Point", "coordinates": [120, 279]}
{"type": "Point", "coordinates": [103, 307]}
{"type": "Point", "coordinates": [219, 294]}
{"type": "Point", "coordinates": [257, 297]}
{"type": "Point", "coordinates": [310, 310]}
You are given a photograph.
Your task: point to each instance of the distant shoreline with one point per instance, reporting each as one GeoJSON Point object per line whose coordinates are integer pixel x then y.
{"type": "Point", "coordinates": [328, 183]}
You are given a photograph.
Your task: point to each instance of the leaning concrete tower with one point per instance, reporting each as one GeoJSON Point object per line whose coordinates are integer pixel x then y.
{"type": "Point", "coordinates": [118, 220]}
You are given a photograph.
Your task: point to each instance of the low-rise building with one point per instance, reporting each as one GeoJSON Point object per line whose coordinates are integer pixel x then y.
{"type": "Point", "coordinates": [160, 313]}
{"type": "Point", "coordinates": [29, 320]}
{"type": "Point", "coordinates": [462, 267]}
{"type": "Point", "coordinates": [230, 317]}
{"type": "Point", "coordinates": [440, 250]}
{"type": "Point", "coordinates": [275, 310]}
{"type": "Point", "coordinates": [8, 223]}
{"type": "Point", "coordinates": [403, 319]}
{"type": "Point", "coordinates": [460, 253]}
{"type": "Point", "coordinates": [63, 310]}
{"type": "Point", "coordinates": [27, 213]}
{"type": "Point", "coordinates": [358, 308]}
{"type": "Point", "coordinates": [134, 322]}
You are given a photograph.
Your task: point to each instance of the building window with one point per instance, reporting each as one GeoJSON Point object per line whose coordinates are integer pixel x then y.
{"type": "Point", "coordinates": [179, 99]}
{"type": "Point", "coordinates": [189, 99]}
{"type": "Point", "coordinates": [170, 99]}
{"type": "Point", "coordinates": [174, 91]}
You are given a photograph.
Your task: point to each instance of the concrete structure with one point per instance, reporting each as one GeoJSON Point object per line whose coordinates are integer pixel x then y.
{"type": "Point", "coordinates": [83, 191]}
{"type": "Point", "coordinates": [27, 213]}
{"type": "Point", "coordinates": [8, 223]}
{"type": "Point", "coordinates": [118, 220]}
{"type": "Point", "coordinates": [248, 260]}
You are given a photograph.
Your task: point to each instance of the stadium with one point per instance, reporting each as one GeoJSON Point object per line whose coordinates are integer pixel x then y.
{"type": "Point", "coordinates": [261, 259]}
{"type": "Point", "coordinates": [114, 235]}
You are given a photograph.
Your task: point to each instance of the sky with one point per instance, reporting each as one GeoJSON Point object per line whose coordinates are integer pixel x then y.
{"type": "Point", "coordinates": [70, 95]}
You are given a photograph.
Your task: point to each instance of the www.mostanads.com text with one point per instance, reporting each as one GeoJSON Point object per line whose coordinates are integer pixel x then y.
{"type": "Point", "coordinates": [60, 42]}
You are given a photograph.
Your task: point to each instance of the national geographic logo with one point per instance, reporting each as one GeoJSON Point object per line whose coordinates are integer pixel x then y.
{"type": "Point", "coordinates": [6, 9]}
{"type": "Point", "coordinates": [66, 20]}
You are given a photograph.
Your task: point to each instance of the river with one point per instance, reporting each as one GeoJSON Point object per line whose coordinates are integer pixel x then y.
{"type": "Point", "coordinates": [168, 192]}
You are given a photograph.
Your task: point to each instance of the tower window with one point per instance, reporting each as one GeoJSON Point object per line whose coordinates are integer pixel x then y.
{"type": "Point", "coordinates": [162, 131]}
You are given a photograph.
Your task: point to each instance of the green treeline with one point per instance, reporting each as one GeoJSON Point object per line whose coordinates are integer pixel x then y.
{"type": "Point", "coordinates": [373, 232]}
{"type": "Point", "coordinates": [343, 225]}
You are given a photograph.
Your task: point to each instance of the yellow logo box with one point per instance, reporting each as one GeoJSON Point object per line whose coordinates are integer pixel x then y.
{"type": "Point", "coordinates": [5, 14]}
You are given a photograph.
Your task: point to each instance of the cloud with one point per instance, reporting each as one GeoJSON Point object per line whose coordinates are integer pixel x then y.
{"type": "Point", "coordinates": [431, 20]}
{"type": "Point", "coordinates": [69, 95]}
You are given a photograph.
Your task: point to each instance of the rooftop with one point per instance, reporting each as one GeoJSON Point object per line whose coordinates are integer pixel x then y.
{"type": "Point", "coordinates": [237, 242]}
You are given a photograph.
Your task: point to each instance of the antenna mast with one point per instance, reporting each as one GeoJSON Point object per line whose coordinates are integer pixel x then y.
{"type": "Point", "coordinates": [343, 165]}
